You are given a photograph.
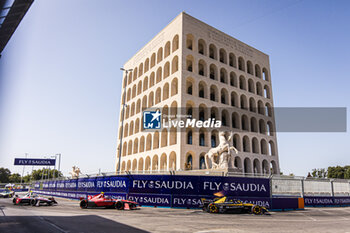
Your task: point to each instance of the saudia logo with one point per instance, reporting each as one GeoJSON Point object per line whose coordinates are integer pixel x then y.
{"type": "Point", "coordinates": [158, 184]}
{"type": "Point", "coordinates": [243, 187]}
{"type": "Point", "coordinates": [187, 201]}
{"type": "Point", "coordinates": [88, 184]}
{"type": "Point", "coordinates": [150, 200]}
{"type": "Point", "coordinates": [112, 183]}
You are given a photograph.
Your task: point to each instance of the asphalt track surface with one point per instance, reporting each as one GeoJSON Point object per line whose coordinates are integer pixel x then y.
{"type": "Point", "coordinates": [68, 217]}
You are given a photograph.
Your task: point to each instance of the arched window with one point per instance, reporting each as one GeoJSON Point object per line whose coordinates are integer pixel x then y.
{"type": "Point", "coordinates": [202, 90]}
{"type": "Point", "coordinates": [252, 105]}
{"type": "Point", "coordinates": [152, 80]}
{"type": "Point", "coordinates": [189, 162]}
{"type": "Point", "coordinates": [146, 68]}
{"type": "Point", "coordinates": [142, 144]}
{"type": "Point", "coordinates": [251, 86]}
{"type": "Point", "coordinates": [189, 63]}
{"type": "Point", "coordinates": [201, 138]}
{"type": "Point", "coordinates": [167, 49]}
{"type": "Point", "coordinates": [165, 91]}
{"type": "Point", "coordinates": [234, 99]}
{"type": "Point", "coordinates": [189, 41]}
{"type": "Point", "coordinates": [241, 64]}
{"type": "Point", "coordinates": [153, 60]}
{"type": "Point", "coordinates": [213, 139]}
{"type": "Point", "coordinates": [235, 121]}
{"type": "Point", "coordinates": [189, 137]}
{"type": "Point", "coordinates": [201, 162]}
{"type": "Point", "coordinates": [166, 70]}
{"type": "Point", "coordinates": [267, 92]}
{"type": "Point", "coordinates": [175, 64]}
{"type": "Point", "coordinates": [245, 123]}
{"type": "Point", "coordinates": [257, 71]}
{"type": "Point", "coordinates": [159, 75]}
{"type": "Point", "coordinates": [156, 140]}
{"type": "Point", "coordinates": [250, 67]}
{"type": "Point", "coordinates": [175, 42]}
{"type": "Point", "coordinates": [202, 68]}
{"type": "Point", "coordinates": [233, 79]}
{"type": "Point", "coordinates": [224, 96]}
{"type": "Point", "coordinates": [213, 91]}
{"type": "Point", "coordinates": [266, 74]}
{"type": "Point", "coordinates": [242, 83]}
{"type": "Point", "coordinates": [140, 69]}
{"type": "Point", "coordinates": [246, 144]}
{"type": "Point", "coordinates": [223, 75]}
{"type": "Point", "coordinates": [255, 145]}
{"type": "Point", "coordinates": [202, 47]}
{"type": "Point", "coordinates": [174, 89]}
{"type": "Point", "coordinates": [213, 72]}
{"type": "Point", "coordinates": [212, 52]}
{"type": "Point", "coordinates": [164, 140]}
{"type": "Point", "coordinates": [223, 56]}
{"type": "Point", "coordinates": [189, 87]}
{"type": "Point", "coordinates": [232, 60]}
{"type": "Point", "coordinates": [158, 95]}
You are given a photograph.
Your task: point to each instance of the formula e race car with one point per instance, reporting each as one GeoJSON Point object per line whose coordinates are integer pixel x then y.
{"type": "Point", "coordinates": [100, 200]}
{"type": "Point", "coordinates": [34, 200]}
{"type": "Point", "coordinates": [7, 193]}
{"type": "Point", "coordinates": [230, 205]}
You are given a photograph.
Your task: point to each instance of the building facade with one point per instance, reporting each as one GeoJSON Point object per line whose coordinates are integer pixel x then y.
{"type": "Point", "coordinates": [192, 68]}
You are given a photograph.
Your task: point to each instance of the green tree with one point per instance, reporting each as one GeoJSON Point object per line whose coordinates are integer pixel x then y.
{"type": "Point", "coordinates": [15, 178]}
{"type": "Point", "coordinates": [45, 173]}
{"type": "Point", "coordinates": [319, 173]}
{"type": "Point", "coordinates": [4, 175]}
{"type": "Point", "coordinates": [337, 172]}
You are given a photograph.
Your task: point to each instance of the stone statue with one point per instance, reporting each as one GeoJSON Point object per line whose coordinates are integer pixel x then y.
{"type": "Point", "coordinates": [75, 172]}
{"type": "Point", "coordinates": [221, 155]}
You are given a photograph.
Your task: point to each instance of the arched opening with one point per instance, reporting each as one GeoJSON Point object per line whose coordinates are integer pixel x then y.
{"type": "Point", "coordinates": [202, 133]}
{"type": "Point", "coordinates": [223, 56]}
{"type": "Point", "coordinates": [232, 60]}
{"type": "Point", "coordinates": [153, 60]}
{"type": "Point", "coordinates": [225, 118]}
{"type": "Point", "coordinates": [214, 138]}
{"type": "Point", "coordinates": [262, 126]}
{"type": "Point", "coordinates": [257, 71]}
{"type": "Point", "coordinates": [163, 162]}
{"type": "Point", "coordinates": [245, 123]}
{"type": "Point", "coordinates": [250, 68]}
{"type": "Point", "coordinates": [164, 140]}
{"type": "Point", "coordinates": [213, 72]}
{"type": "Point", "coordinates": [148, 164]}
{"type": "Point", "coordinates": [140, 165]}
{"type": "Point", "coordinates": [256, 164]}
{"type": "Point", "coordinates": [224, 96]}
{"type": "Point", "coordinates": [159, 75]}
{"type": "Point", "coordinates": [149, 142]}
{"type": "Point", "coordinates": [202, 68]}
{"type": "Point", "coordinates": [235, 121]}
{"type": "Point", "coordinates": [189, 41]}
{"type": "Point", "coordinates": [202, 161]}
{"type": "Point", "coordinates": [241, 64]}
{"type": "Point", "coordinates": [255, 145]}
{"type": "Point", "coordinates": [152, 80]}
{"type": "Point", "coordinates": [156, 140]}
{"type": "Point", "coordinates": [189, 161]}
{"type": "Point", "coordinates": [173, 136]}
{"type": "Point", "coordinates": [246, 144]}
{"type": "Point", "coordinates": [213, 93]}
{"type": "Point", "coordinates": [175, 42]}
{"type": "Point", "coordinates": [172, 161]}
{"type": "Point", "coordinates": [175, 64]}
{"type": "Point", "coordinates": [174, 88]}
{"type": "Point", "coordinates": [247, 166]}
{"type": "Point", "coordinates": [254, 125]}
{"type": "Point", "coordinates": [242, 83]}
{"type": "Point", "coordinates": [202, 48]}
{"type": "Point", "coordinates": [202, 90]}
{"type": "Point", "coordinates": [236, 142]}
{"type": "Point", "coordinates": [212, 52]}
{"type": "Point", "coordinates": [252, 105]}
{"type": "Point", "coordinates": [233, 79]}
{"type": "Point", "coordinates": [160, 55]}
{"type": "Point", "coordinates": [167, 49]}
{"type": "Point", "coordinates": [263, 147]}
{"type": "Point", "coordinates": [155, 162]}
{"type": "Point", "coordinates": [244, 102]}
{"type": "Point", "coordinates": [166, 69]}
{"type": "Point", "coordinates": [266, 75]}
{"type": "Point", "coordinates": [189, 86]}
{"type": "Point", "coordinates": [134, 165]}
{"type": "Point", "coordinates": [142, 144]}
{"type": "Point", "coordinates": [223, 75]}
{"type": "Point", "coordinates": [189, 63]}
{"type": "Point", "coordinates": [166, 91]}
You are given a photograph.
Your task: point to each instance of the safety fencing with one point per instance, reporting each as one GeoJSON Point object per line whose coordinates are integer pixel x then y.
{"type": "Point", "coordinates": [185, 189]}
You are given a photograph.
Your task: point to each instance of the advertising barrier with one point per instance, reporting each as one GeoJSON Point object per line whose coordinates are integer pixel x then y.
{"type": "Point", "coordinates": [166, 190]}
{"type": "Point", "coordinates": [326, 201]}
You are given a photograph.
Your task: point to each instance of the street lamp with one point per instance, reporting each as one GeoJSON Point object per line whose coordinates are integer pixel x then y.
{"type": "Point", "coordinates": [122, 126]}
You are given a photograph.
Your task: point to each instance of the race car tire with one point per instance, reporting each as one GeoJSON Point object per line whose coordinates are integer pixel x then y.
{"type": "Point", "coordinates": [83, 204]}
{"type": "Point", "coordinates": [33, 202]}
{"type": "Point", "coordinates": [132, 206]}
{"type": "Point", "coordinates": [119, 205]}
{"type": "Point", "coordinates": [256, 210]}
{"type": "Point", "coordinates": [14, 201]}
{"type": "Point", "coordinates": [213, 208]}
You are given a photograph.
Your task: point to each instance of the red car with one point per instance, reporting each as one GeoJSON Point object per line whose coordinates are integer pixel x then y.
{"type": "Point", "coordinates": [33, 199]}
{"type": "Point", "coordinates": [100, 200]}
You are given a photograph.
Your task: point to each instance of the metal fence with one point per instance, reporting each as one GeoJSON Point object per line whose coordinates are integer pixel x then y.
{"type": "Point", "coordinates": [280, 185]}
{"type": "Point", "coordinates": [300, 186]}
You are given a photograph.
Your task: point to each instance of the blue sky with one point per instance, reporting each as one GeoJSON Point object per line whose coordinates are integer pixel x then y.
{"type": "Point", "coordinates": [60, 81]}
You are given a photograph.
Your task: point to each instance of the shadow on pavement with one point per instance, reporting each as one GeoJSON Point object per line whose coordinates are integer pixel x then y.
{"type": "Point", "coordinates": [47, 224]}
